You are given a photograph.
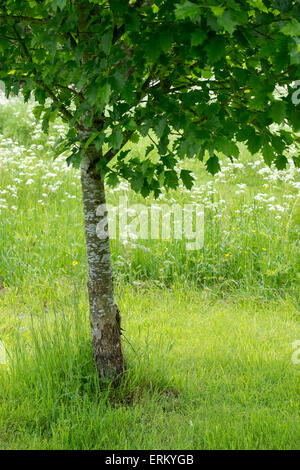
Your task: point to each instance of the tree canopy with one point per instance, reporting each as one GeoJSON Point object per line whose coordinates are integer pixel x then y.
{"type": "Point", "coordinates": [196, 77]}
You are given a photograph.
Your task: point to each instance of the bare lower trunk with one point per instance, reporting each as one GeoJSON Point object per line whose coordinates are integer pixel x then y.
{"type": "Point", "coordinates": [104, 313]}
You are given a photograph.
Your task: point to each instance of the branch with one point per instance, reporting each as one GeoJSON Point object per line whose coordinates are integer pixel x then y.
{"type": "Point", "coordinates": [263, 34]}
{"type": "Point", "coordinates": [25, 19]}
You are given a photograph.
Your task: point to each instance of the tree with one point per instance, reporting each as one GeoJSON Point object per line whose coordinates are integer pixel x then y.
{"type": "Point", "coordinates": [196, 77]}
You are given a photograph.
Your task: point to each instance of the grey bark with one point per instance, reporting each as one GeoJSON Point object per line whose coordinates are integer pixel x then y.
{"type": "Point", "coordinates": [104, 313]}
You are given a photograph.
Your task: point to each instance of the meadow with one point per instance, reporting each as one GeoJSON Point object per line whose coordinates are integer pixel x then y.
{"type": "Point", "coordinates": [208, 334]}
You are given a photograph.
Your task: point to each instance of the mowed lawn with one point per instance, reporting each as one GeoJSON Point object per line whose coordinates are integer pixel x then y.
{"type": "Point", "coordinates": [209, 336]}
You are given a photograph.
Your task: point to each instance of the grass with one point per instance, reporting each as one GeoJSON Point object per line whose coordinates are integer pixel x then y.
{"type": "Point", "coordinates": [203, 373]}
{"type": "Point", "coordinates": [208, 334]}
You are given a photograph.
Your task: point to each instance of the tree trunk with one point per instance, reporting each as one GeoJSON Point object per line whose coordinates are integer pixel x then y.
{"type": "Point", "coordinates": [104, 313]}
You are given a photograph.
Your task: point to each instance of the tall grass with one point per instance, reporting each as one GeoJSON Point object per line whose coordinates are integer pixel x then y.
{"type": "Point", "coordinates": [251, 219]}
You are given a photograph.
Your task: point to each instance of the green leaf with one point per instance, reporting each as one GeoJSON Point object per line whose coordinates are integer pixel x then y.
{"type": "Point", "coordinates": [296, 161]}
{"type": "Point", "coordinates": [295, 120]}
{"type": "Point", "coordinates": [213, 165]}
{"type": "Point", "coordinates": [186, 10]}
{"type": "Point", "coordinates": [228, 22]}
{"type": "Point", "coordinates": [227, 146]}
{"type": "Point", "coordinates": [292, 28]}
{"type": "Point", "coordinates": [118, 6]}
{"type": "Point", "coordinates": [55, 4]}
{"type": "Point", "coordinates": [144, 129]}
{"type": "Point", "coordinates": [277, 111]}
{"type": "Point", "coordinates": [40, 95]}
{"type": "Point", "coordinates": [217, 10]}
{"type": "Point", "coordinates": [165, 41]}
{"type": "Point", "coordinates": [99, 141]}
{"type": "Point", "coordinates": [116, 139]}
{"type": "Point", "coordinates": [198, 37]}
{"type": "Point", "coordinates": [135, 138]}
{"type": "Point", "coordinates": [75, 158]}
{"type": "Point", "coordinates": [37, 111]}
{"type": "Point", "coordinates": [171, 179]}
{"type": "Point", "coordinates": [169, 161]}
{"type": "Point", "coordinates": [254, 142]}
{"type": "Point", "coordinates": [294, 50]}
{"type": "Point", "coordinates": [160, 127]}
{"type": "Point", "coordinates": [216, 49]}
{"type": "Point", "coordinates": [281, 162]}
{"type": "Point", "coordinates": [149, 149]}
{"type": "Point", "coordinates": [268, 154]}
{"type": "Point", "coordinates": [131, 125]}
{"type": "Point", "coordinates": [104, 93]}
{"type": "Point", "coordinates": [91, 94]}
{"type": "Point", "coordinates": [112, 180]}
{"type": "Point", "coordinates": [4, 44]}
{"type": "Point", "coordinates": [137, 182]}
{"type": "Point", "coordinates": [106, 41]}
{"type": "Point", "coordinates": [187, 178]}
{"type": "Point", "coordinates": [118, 80]}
